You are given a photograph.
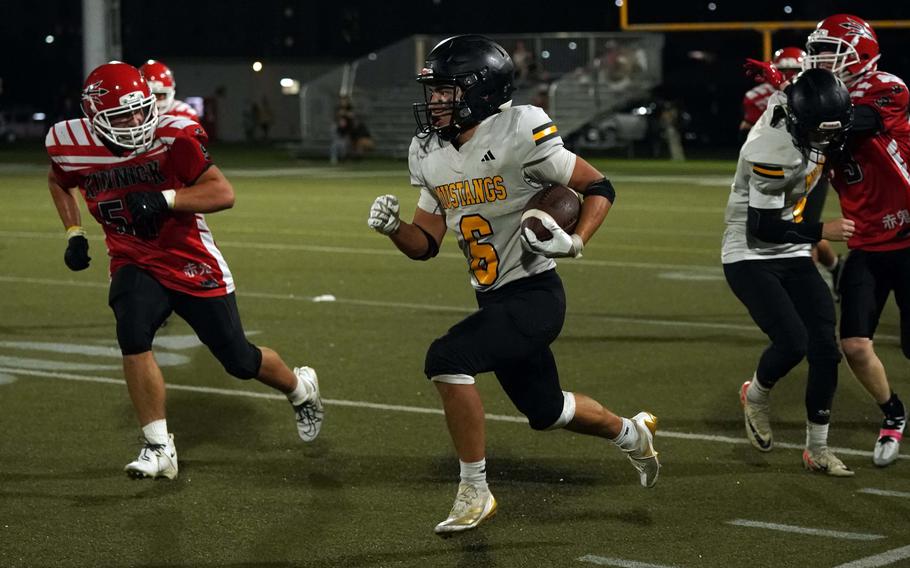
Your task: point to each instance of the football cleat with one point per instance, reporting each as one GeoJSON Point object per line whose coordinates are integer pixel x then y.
{"type": "Point", "coordinates": [154, 461]}
{"type": "Point", "coordinates": [889, 441]}
{"type": "Point", "coordinates": [644, 457]}
{"type": "Point", "coordinates": [826, 462]}
{"type": "Point", "coordinates": [311, 413]}
{"type": "Point", "coordinates": [473, 506]}
{"type": "Point", "coordinates": [758, 421]}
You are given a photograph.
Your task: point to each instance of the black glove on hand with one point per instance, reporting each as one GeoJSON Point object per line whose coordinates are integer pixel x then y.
{"type": "Point", "coordinates": [76, 256]}
{"type": "Point", "coordinates": [145, 207]}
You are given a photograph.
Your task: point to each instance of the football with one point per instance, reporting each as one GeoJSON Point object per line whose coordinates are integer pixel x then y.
{"type": "Point", "coordinates": [559, 202]}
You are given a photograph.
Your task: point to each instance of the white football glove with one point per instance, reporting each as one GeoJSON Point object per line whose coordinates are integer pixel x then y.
{"type": "Point", "coordinates": [384, 215]}
{"type": "Point", "coordinates": [562, 244]}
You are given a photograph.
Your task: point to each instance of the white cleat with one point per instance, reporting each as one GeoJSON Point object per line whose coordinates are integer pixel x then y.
{"type": "Point", "coordinates": [758, 421]}
{"type": "Point", "coordinates": [154, 461]}
{"type": "Point", "coordinates": [311, 413]}
{"type": "Point", "coordinates": [888, 445]}
{"type": "Point", "coordinates": [644, 457]}
{"type": "Point", "coordinates": [473, 506]}
{"type": "Point", "coordinates": [826, 462]}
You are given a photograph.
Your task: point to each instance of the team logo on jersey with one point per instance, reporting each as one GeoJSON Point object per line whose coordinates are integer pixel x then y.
{"type": "Point", "coordinates": [148, 173]}
{"type": "Point", "coordinates": [856, 28]}
{"type": "Point", "coordinates": [93, 93]}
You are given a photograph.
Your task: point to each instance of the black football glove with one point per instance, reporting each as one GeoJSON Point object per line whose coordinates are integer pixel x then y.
{"type": "Point", "coordinates": [145, 208]}
{"type": "Point", "coordinates": [76, 256]}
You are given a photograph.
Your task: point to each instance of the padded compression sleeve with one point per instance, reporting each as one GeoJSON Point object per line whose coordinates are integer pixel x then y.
{"type": "Point", "coordinates": [766, 225]}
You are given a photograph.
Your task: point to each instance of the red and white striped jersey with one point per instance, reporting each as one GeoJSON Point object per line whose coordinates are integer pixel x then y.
{"type": "Point", "coordinates": [756, 101]}
{"type": "Point", "coordinates": [872, 179]}
{"type": "Point", "coordinates": [183, 255]}
{"type": "Point", "coordinates": [182, 110]}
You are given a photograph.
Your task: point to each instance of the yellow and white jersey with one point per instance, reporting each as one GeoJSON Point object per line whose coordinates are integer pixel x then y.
{"type": "Point", "coordinates": [482, 187]}
{"type": "Point", "coordinates": [771, 173]}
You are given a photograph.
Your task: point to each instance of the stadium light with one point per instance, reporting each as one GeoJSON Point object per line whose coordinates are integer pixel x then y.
{"type": "Point", "coordinates": [545, 54]}
{"type": "Point", "coordinates": [49, 39]}
{"type": "Point", "coordinates": [788, 10]}
{"type": "Point", "coordinates": [289, 86]}
{"type": "Point", "coordinates": [257, 66]}
{"type": "Point", "coordinates": [573, 46]}
{"type": "Point", "coordinates": [712, 6]}
{"type": "Point", "coordinates": [618, 3]}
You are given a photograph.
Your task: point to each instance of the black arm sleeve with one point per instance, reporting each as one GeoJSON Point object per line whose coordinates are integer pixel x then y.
{"type": "Point", "coordinates": [866, 120]}
{"type": "Point", "coordinates": [766, 225]}
{"type": "Point", "coordinates": [432, 245]}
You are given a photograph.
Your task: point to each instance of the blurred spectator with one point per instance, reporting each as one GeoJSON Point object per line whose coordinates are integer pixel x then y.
{"type": "Point", "coordinates": [350, 136]}
{"type": "Point", "coordinates": [341, 133]}
{"type": "Point", "coordinates": [541, 97]}
{"type": "Point", "coordinates": [250, 112]}
{"type": "Point", "coordinates": [361, 142]}
{"type": "Point", "coordinates": [521, 59]}
{"type": "Point", "coordinates": [264, 117]}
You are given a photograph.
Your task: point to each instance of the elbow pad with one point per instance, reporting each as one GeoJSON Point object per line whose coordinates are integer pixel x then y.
{"type": "Point", "coordinates": [432, 246]}
{"type": "Point", "coordinates": [766, 225]}
{"type": "Point", "coordinates": [603, 188]}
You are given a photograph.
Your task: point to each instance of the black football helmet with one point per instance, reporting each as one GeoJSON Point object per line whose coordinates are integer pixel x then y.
{"type": "Point", "coordinates": [467, 78]}
{"type": "Point", "coordinates": [819, 112]}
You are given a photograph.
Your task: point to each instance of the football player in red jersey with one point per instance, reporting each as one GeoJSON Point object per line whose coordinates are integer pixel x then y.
{"type": "Point", "coordinates": [148, 180]}
{"type": "Point", "coordinates": [873, 181]}
{"type": "Point", "coordinates": [161, 81]}
{"type": "Point", "coordinates": [789, 61]}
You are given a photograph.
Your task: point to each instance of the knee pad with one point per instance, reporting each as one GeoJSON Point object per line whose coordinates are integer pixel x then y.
{"type": "Point", "coordinates": [240, 361]}
{"type": "Point", "coordinates": [546, 415]}
{"type": "Point", "coordinates": [442, 365]}
{"type": "Point", "coordinates": [132, 339]}
{"type": "Point", "coordinates": [568, 411]}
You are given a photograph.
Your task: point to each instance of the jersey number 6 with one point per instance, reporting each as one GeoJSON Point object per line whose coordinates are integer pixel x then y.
{"type": "Point", "coordinates": [484, 260]}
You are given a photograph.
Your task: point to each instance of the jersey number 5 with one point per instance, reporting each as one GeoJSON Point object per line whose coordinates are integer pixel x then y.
{"type": "Point", "coordinates": [484, 260]}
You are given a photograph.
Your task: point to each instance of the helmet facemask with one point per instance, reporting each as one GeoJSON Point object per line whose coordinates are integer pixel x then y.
{"type": "Point", "coordinates": [818, 141]}
{"type": "Point", "coordinates": [445, 110]}
{"type": "Point", "coordinates": [836, 55]}
{"type": "Point", "coordinates": [116, 124]}
{"type": "Point", "coordinates": [164, 95]}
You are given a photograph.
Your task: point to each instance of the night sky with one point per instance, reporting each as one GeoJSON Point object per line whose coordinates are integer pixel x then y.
{"type": "Point", "coordinates": [37, 74]}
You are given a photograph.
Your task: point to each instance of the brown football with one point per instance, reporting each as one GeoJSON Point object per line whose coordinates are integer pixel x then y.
{"type": "Point", "coordinates": [558, 201]}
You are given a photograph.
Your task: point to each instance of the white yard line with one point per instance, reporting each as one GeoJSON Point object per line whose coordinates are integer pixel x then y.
{"type": "Point", "coordinates": [621, 563]}
{"type": "Point", "coordinates": [884, 492]}
{"type": "Point", "coordinates": [14, 371]}
{"type": "Point", "coordinates": [883, 559]}
{"type": "Point", "coordinates": [386, 251]}
{"type": "Point", "coordinates": [751, 329]}
{"type": "Point", "coordinates": [804, 530]}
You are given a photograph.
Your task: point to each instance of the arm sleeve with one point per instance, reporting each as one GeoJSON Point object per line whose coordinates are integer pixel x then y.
{"type": "Point", "coordinates": [540, 148]}
{"type": "Point", "coordinates": [866, 120]}
{"type": "Point", "coordinates": [767, 225]}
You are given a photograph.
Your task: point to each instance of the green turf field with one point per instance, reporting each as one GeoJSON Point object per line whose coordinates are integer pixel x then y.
{"type": "Point", "coordinates": [651, 324]}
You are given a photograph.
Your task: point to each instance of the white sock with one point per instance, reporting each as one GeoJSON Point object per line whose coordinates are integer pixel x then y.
{"type": "Point", "coordinates": [816, 436]}
{"type": "Point", "coordinates": [628, 436]}
{"type": "Point", "coordinates": [757, 394]}
{"type": "Point", "coordinates": [301, 393]}
{"type": "Point", "coordinates": [474, 473]}
{"type": "Point", "coordinates": [156, 432]}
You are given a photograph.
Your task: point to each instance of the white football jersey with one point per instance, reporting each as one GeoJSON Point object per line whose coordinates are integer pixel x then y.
{"type": "Point", "coordinates": [482, 187]}
{"type": "Point", "coordinates": [771, 173]}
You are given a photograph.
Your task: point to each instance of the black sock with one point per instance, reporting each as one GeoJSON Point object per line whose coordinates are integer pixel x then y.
{"type": "Point", "coordinates": [894, 408]}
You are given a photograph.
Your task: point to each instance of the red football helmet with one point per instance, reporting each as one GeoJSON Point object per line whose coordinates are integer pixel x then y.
{"type": "Point", "coordinates": [845, 45]}
{"type": "Point", "coordinates": [789, 61]}
{"type": "Point", "coordinates": [161, 82]}
{"type": "Point", "coordinates": [118, 103]}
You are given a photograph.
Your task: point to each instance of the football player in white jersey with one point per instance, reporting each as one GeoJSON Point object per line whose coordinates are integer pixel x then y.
{"type": "Point", "coordinates": [767, 254]}
{"type": "Point", "coordinates": [477, 161]}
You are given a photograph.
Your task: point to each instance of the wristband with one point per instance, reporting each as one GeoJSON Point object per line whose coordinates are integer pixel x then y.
{"type": "Point", "coordinates": [170, 197]}
{"type": "Point", "coordinates": [74, 231]}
